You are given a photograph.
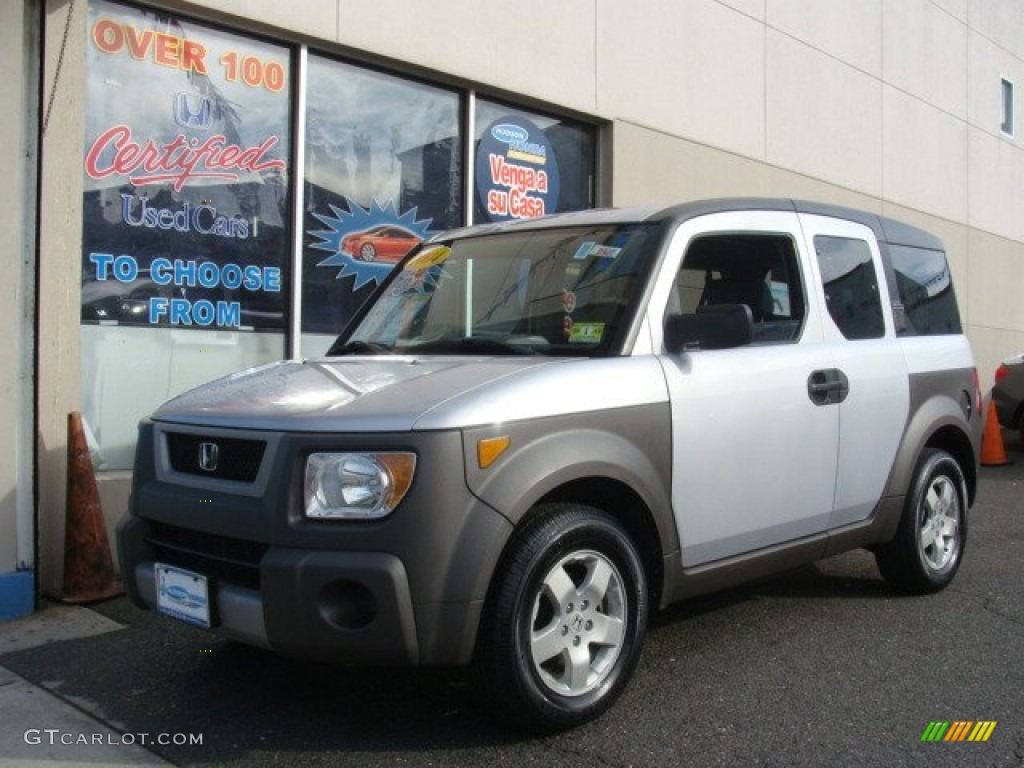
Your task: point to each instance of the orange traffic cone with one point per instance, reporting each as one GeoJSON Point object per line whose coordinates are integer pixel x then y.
{"type": "Point", "coordinates": [88, 566]}
{"type": "Point", "coordinates": [993, 452]}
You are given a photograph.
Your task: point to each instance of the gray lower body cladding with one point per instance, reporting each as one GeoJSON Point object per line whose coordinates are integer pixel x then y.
{"type": "Point", "coordinates": [407, 589]}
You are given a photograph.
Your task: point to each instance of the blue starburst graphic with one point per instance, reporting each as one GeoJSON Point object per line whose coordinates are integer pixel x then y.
{"type": "Point", "coordinates": [358, 220]}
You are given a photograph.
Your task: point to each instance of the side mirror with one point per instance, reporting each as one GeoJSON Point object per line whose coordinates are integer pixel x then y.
{"type": "Point", "coordinates": [717, 326]}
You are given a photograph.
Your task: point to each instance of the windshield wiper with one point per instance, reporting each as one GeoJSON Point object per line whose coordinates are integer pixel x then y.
{"type": "Point", "coordinates": [515, 345]}
{"type": "Point", "coordinates": [358, 347]}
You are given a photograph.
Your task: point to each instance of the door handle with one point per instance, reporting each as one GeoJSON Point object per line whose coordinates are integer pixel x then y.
{"type": "Point", "coordinates": [828, 386]}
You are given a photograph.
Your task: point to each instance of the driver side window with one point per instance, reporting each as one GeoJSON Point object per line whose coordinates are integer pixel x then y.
{"type": "Point", "coordinates": [759, 270]}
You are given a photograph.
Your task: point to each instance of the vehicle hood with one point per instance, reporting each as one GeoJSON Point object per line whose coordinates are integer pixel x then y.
{"type": "Point", "coordinates": [340, 394]}
{"type": "Point", "coordinates": [393, 394]}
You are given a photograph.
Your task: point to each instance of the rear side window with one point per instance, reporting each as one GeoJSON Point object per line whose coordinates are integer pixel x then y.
{"type": "Point", "coordinates": [926, 291]}
{"type": "Point", "coordinates": [851, 286]}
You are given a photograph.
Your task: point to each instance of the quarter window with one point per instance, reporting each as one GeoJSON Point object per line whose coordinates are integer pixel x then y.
{"type": "Point", "coordinates": [851, 286]}
{"type": "Point", "coordinates": [926, 290]}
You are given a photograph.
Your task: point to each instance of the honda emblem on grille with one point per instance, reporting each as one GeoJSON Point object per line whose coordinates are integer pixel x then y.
{"type": "Point", "coordinates": [209, 453]}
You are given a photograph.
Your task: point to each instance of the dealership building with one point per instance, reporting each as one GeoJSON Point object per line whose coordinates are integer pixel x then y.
{"type": "Point", "coordinates": [194, 188]}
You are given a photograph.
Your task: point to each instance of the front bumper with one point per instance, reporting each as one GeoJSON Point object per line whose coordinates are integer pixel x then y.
{"type": "Point", "coordinates": [348, 607]}
{"type": "Point", "coordinates": [404, 590]}
{"type": "Point", "coordinates": [341, 606]}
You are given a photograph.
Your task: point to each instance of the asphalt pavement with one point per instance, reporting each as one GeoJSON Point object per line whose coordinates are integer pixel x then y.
{"type": "Point", "coordinates": [822, 666]}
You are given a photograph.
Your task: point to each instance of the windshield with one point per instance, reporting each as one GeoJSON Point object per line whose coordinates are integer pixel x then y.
{"type": "Point", "coordinates": [566, 291]}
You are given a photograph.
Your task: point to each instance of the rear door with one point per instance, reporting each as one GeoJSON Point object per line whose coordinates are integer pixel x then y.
{"type": "Point", "coordinates": [858, 328]}
{"type": "Point", "coordinates": [754, 456]}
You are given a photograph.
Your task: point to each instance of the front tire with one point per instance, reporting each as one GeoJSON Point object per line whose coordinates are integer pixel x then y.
{"type": "Point", "coordinates": [565, 619]}
{"type": "Point", "coordinates": [929, 544]}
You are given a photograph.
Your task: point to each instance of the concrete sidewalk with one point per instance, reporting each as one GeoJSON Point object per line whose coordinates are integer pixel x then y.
{"type": "Point", "coordinates": [39, 728]}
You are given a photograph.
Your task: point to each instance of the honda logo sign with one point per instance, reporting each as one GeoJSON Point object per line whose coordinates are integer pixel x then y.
{"type": "Point", "coordinates": [209, 454]}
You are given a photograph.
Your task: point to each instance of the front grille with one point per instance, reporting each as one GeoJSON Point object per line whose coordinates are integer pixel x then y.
{"type": "Point", "coordinates": [235, 561]}
{"type": "Point", "coordinates": [236, 459]}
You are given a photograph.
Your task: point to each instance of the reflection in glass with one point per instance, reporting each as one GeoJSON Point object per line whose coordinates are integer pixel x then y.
{"type": "Point", "coordinates": [383, 171]}
{"type": "Point", "coordinates": [186, 213]}
{"type": "Point", "coordinates": [573, 145]}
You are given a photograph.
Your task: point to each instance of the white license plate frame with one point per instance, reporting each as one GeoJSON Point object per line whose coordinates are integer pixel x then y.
{"type": "Point", "coordinates": [183, 595]}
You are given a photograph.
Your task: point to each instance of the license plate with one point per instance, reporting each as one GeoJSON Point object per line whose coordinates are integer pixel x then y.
{"type": "Point", "coordinates": [183, 594]}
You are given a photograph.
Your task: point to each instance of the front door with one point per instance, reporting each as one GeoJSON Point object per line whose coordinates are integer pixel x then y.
{"type": "Point", "coordinates": [754, 442]}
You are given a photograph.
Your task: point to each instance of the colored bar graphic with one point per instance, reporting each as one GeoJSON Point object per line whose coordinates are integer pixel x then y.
{"type": "Point", "coordinates": [958, 730]}
{"type": "Point", "coordinates": [982, 730]}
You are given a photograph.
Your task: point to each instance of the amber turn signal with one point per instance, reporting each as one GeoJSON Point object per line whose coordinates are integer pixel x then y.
{"type": "Point", "coordinates": [489, 449]}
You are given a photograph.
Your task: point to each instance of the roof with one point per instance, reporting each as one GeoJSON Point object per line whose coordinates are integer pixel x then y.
{"type": "Point", "coordinates": [885, 229]}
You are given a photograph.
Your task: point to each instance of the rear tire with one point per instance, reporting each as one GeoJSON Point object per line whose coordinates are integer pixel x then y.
{"type": "Point", "coordinates": [929, 544]}
{"type": "Point", "coordinates": [564, 621]}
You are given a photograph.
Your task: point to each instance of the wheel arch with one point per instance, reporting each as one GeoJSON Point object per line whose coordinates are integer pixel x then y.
{"type": "Point", "coordinates": [624, 473]}
{"type": "Point", "coordinates": [955, 442]}
{"type": "Point", "coordinates": [937, 423]}
{"type": "Point", "coordinates": [622, 503]}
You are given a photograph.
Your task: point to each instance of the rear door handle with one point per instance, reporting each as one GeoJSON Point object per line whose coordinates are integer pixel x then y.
{"type": "Point", "coordinates": [828, 386]}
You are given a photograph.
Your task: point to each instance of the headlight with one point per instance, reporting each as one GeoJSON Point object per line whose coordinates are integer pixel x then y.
{"type": "Point", "coordinates": [348, 486]}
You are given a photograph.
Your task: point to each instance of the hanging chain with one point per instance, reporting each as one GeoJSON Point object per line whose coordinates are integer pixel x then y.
{"type": "Point", "coordinates": [60, 65]}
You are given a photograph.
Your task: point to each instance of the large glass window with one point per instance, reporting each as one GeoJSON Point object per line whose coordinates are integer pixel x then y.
{"type": "Point", "coordinates": [191, 263]}
{"type": "Point", "coordinates": [382, 173]}
{"type": "Point", "coordinates": [530, 165]}
{"type": "Point", "coordinates": [185, 259]}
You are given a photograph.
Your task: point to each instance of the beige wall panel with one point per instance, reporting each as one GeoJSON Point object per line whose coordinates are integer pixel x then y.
{"type": "Point", "coordinates": [754, 8]}
{"type": "Point", "coordinates": [651, 167]}
{"type": "Point", "coordinates": [783, 183]}
{"type": "Point", "coordinates": [995, 274]}
{"type": "Point", "coordinates": [988, 65]}
{"type": "Point", "coordinates": [12, 124]}
{"type": "Point", "coordinates": [821, 115]}
{"type": "Point", "coordinates": [999, 20]}
{"type": "Point", "coordinates": [925, 54]}
{"type": "Point", "coordinates": [925, 157]}
{"type": "Point", "coordinates": [60, 249]}
{"type": "Point", "coordinates": [995, 174]}
{"type": "Point", "coordinates": [316, 18]}
{"type": "Point", "coordinates": [692, 69]}
{"type": "Point", "coordinates": [955, 8]}
{"type": "Point", "coordinates": [849, 30]}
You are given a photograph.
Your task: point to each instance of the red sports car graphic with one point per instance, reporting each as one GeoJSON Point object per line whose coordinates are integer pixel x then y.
{"type": "Point", "coordinates": [385, 242]}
